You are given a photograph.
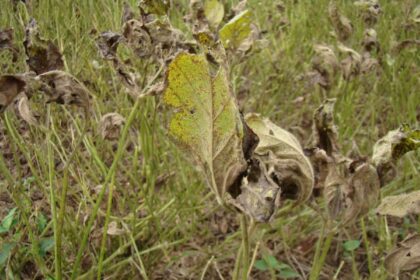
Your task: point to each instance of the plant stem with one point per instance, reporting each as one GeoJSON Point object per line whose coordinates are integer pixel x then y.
{"type": "Point", "coordinates": [245, 245]}
{"type": "Point", "coordinates": [366, 242]}
{"type": "Point", "coordinates": [321, 251]}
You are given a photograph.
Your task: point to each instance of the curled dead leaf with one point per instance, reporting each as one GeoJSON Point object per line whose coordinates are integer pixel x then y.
{"type": "Point", "coordinates": [370, 10]}
{"type": "Point", "coordinates": [156, 7]}
{"type": "Point", "coordinates": [113, 229]}
{"type": "Point", "coordinates": [324, 128]}
{"type": "Point", "coordinates": [283, 159]}
{"type": "Point", "coordinates": [110, 126]}
{"type": "Point", "coordinates": [42, 55]}
{"type": "Point", "coordinates": [107, 44]}
{"type": "Point", "coordinates": [370, 40]}
{"type": "Point", "coordinates": [342, 24]}
{"type": "Point", "coordinates": [351, 65]}
{"type": "Point", "coordinates": [25, 110]}
{"type": "Point", "coordinates": [10, 87]}
{"type": "Point", "coordinates": [325, 62]}
{"type": "Point", "coordinates": [400, 205]}
{"type": "Point", "coordinates": [63, 88]}
{"type": "Point", "coordinates": [406, 44]}
{"type": "Point", "coordinates": [404, 258]}
{"type": "Point", "coordinates": [6, 42]}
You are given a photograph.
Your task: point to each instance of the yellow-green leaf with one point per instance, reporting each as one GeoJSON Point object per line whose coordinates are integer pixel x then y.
{"type": "Point", "coordinates": [214, 11]}
{"type": "Point", "coordinates": [236, 31]}
{"type": "Point", "coordinates": [206, 123]}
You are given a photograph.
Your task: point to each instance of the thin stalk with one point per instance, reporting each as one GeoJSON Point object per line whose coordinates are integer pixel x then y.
{"type": "Point", "coordinates": [321, 252]}
{"type": "Point", "coordinates": [245, 245]}
{"type": "Point", "coordinates": [366, 242]}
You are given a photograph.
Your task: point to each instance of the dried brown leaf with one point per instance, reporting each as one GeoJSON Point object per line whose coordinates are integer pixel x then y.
{"type": "Point", "coordinates": [406, 44]}
{"type": "Point", "coordinates": [370, 40]}
{"type": "Point", "coordinates": [63, 88]}
{"type": "Point", "coordinates": [342, 25]}
{"type": "Point", "coordinates": [110, 126]}
{"type": "Point", "coordinates": [400, 205]}
{"type": "Point", "coordinates": [325, 62]}
{"type": "Point", "coordinates": [10, 87]}
{"type": "Point", "coordinates": [404, 258]}
{"type": "Point", "coordinates": [351, 65]}
{"type": "Point", "coordinates": [324, 128]}
{"type": "Point", "coordinates": [42, 55]}
{"type": "Point", "coordinates": [107, 43]}
{"type": "Point", "coordinates": [370, 10]}
{"type": "Point", "coordinates": [6, 42]}
{"type": "Point", "coordinates": [25, 110]}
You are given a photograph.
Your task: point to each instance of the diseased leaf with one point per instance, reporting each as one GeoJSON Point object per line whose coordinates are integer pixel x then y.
{"type": "Point", "coordinates": [157, 7]}
{"type": "Point", "coordinates": [127, 13]}
{"type": "Point", "coordinates": [25, 111]}
{"type": "Point", "coordinates": [325, 62]}
{"type": "Point", "coordinates": [342, 25]}
{"type": "Point", "coordinates": [214, 11]}
{"type": "Point", "coordinates": [63, 88]}
{"type": "Point", "coordinates": [236, 31]}
{"type": "Point", "coordinates": [400, 205]}
{"type": "Point", "coordinates": [394, 145]}
{"type": "Point", "coordinates": [404, 258]}
{"type": "Point", "coordinates": [43, 55]}
{"type": "Point", "coordinates": [406, 44]}
{"type": "Point", "coordinates": [206, 123]}
{"type": "Point", "coordinates": [324, 128]}
{"type": "Point", "coordinates": [6, 42]}
{"type": "Point", "coordinates": [110, 126]}
{"type": "Point", "coordinates": [351, 65]}
{"type": "Point", "coordinates": [10, 87]}
{"type": "Point", "coordinates": [370, 10]}
{"type": "Point", "coordinates": [284, 160]}
{"type": "Point", "coordinates": [370, 40]}
{"type": "Point", "coordinates": [107, 43]}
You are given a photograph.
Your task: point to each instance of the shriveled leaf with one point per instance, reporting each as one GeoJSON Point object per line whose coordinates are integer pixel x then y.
{"type": "Point", "coordinates": [342, 24]}
{"type": "Point", "coordinates": [404, 258]}
{"type": "Point", "coordinates": [110, 126]}
{"type": "Point", "coordinates": [127, 13]}
{"type": "Point", "coordinates": [350, 66]}
{"type": "Point", "coordinates": [284, 160]}
{"type": "Point", "coordinates": [400, 205]}
{"type": "Point", "coordinates": [406, 44]}
{"type": "Point", "coordinates": [370, 10]}
{"type": "Point", "coordinates": [113, 229]}
{"type": "Point", "coordinates": [324, 128]}
{"type": "Point", "coordinates": [325, 62]}
{"type": "Point", "coordinates": [259, 194]}
{"type": "Point", "coordinates": [236, 31]}
{"type": "Point", "coordinates": [137, 38]}
{"type": "Point", "coordinates": [394, 145]}
{"type": "Point", "coordinates": [63, 88]}
{"type": "Point", "coordinates": [369, 64]}
{"type": "Point", "coordinates": [6, 42]}
{"type": "Point", "coordinates": [42, 55]}
{"type": "Point", "coordinates": [214, 11]}
{"type": "Point", "coordinates": [107, 43]}
{"type": "Point", "coordinates": [25, 111]}
{"type": "Point", "coordinates": [10, 87]}
{"type": "Point", "coordinates": [370, 40]}
{"type": "Point", "coordinates": [157, 7]}
{"type": "Point", "coordinates": [206, 123]}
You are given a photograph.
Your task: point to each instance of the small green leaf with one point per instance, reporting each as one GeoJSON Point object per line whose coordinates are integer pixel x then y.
{"type": "Point", "coordinates": [236, 31]}
{"type": "Point", "coordinates": [8, 221]}
{"type": "Point", "coordinates": [5, 250]}
{"type": "Point", "coordinates": [351, 245]}
{"type": "Point", "coordinates": [261, 265]}
{"type": "Point", "coordinates": [287, 273]}
{"type": "Point", "coordinates": [45, 245]}
{"type": "Point", "coordinates": [41, 222]}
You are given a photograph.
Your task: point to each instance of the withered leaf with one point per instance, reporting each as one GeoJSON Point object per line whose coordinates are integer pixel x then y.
{"type": "Point", "coordinates": [342, 25]}
{"type": "Point", "coordinates": [283, 158]}
{"type": "Point", "coordinates": [350, 66]}
{"type": "Point", "coordinates": [6, 42]}
{"type": "Point", "coordinates": [110, 126]}
{"type": "Point", "coordinates": [25, 111]}
{"type": "Point", "coordinates": [404, 258]}
{"type": "Point", "coordinates": [395, 144]}
{"type": "Point", "coordinates": [42, 55]}
{"type": "Point", "coordinates": [369, 64]}
{"type": "Point", "coordinates": [10, 87]}
{"type": "Point", "coordinates": [157, 7]}
{"type": "Point", "coordinates": [113, 229]}
{"type": "Point", "coordinates": [206, 123]}
{"type": "Point", "coordinates": [370, 10]}
{"type": "Point", "coordinates": [137, 38]}
{"type": "Point", "coordinates": [107, 43]}
{"type": "Point", "coordinates": [406, 44]}
{"type": "Point", "coordinates": [370, 40]}
{"type": "Point", "coordinates": [324, 128]}
{"type": "Point", "coordinates": [325, 62]}
{"type": "Point", "coordinates": [127, 14]}
{"type": "Point", "coordinates": [400, 205]}
{"type": "Point", "coordinates": [63, 88]}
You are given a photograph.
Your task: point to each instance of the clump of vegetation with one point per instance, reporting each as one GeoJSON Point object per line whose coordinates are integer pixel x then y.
{"type": "Point", "coordinates": [100, 187]}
